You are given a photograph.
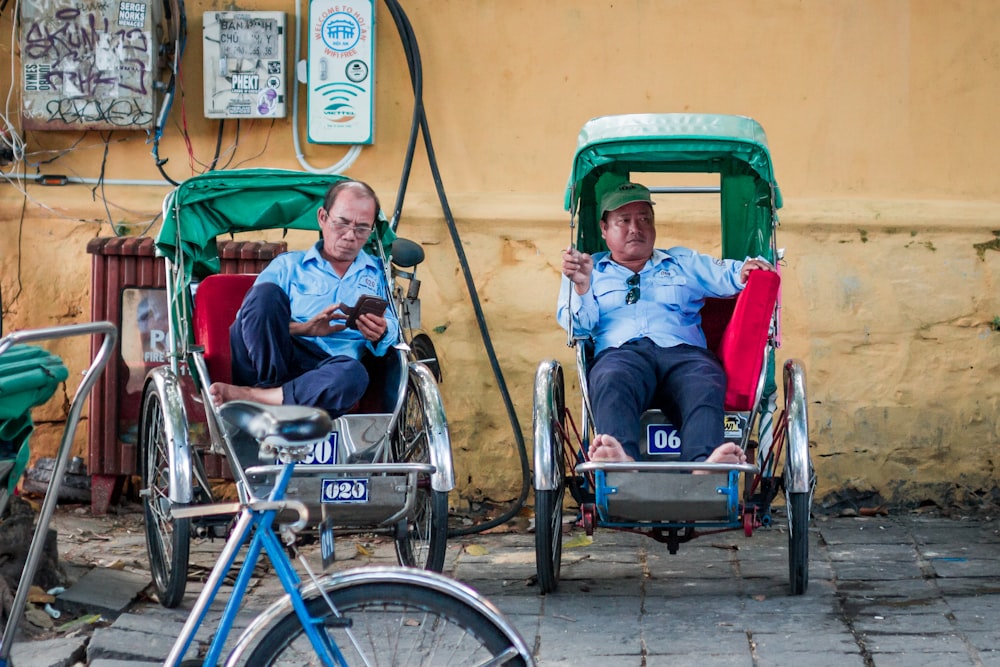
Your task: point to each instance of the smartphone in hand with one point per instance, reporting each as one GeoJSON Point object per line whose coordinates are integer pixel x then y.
{"type": "Point", "coordinates": [368, 303]}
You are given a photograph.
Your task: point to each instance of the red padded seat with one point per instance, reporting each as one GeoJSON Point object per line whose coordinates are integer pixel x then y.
{"type": "Point", "coordinates": [736, 329]}
{"type": "Point", "coordinates": [216, 302]}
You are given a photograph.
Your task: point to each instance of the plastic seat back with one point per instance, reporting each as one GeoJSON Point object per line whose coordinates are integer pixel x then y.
{"type": "Point", "coordinates": [216, 302]}
{"type": "Point", "coordinates": [737, 330]}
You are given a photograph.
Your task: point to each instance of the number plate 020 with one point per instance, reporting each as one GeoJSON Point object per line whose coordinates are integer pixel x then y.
{"type": "Point", "coordinates": [345, 490]}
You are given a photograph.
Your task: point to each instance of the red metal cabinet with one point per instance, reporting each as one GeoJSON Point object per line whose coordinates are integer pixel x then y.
{"type": "Point", "coordinates": [128, 287]}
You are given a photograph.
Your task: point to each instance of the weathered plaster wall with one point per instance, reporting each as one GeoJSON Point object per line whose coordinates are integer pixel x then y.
{"type": "Point", "coordinates": [879, 119]}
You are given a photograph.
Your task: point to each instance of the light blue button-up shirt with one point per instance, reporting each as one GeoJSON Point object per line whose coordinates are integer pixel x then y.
{"type": "Point", "coordinates": [673, 287]}
{"type": "Point", "coordinates": [312, 285]}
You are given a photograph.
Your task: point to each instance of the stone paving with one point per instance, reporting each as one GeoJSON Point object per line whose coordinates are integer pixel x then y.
{"type": "Point", "coordinates": [908, 589]}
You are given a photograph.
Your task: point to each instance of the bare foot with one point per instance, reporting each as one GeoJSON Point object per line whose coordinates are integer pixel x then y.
{"type": "Point", "coordinates": [727, 452]}
{"type": "Point", "coordinates": [607, 448]}
{"type": "Point", "coordinates": [223, 393]}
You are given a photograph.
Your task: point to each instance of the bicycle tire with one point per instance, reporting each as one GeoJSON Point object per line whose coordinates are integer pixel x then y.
{"type": "Point", "coordinates": [797, 506]}
{"type": "Point", "coordinates": [395, 623]}
{"type": "Point", "coordinates": [548, 538]}
{"type": "Point", "coordinates": [422, 349]}
{"type": "Point", "coordinates": [168, 539]}
{"type": "Point", "coordinates": [549, 502]}
{"type": "Point", "coordinates": [425, 541]}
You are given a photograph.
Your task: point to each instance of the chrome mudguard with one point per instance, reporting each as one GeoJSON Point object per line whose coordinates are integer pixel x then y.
{"type": "Point", "coordinates": [167, 385]}
{"type": "Point", "coordinates": [439, 442]}
{"type": "Point", "coordinates": [547, 477]}
{"type": "Point", "coordinates": [799, 476]}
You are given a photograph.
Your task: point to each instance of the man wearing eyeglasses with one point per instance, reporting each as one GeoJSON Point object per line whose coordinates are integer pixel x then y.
{"type": "Point", "coordinates": [289, 341]}
{"type": "Point", "coordinates": [640, 306]}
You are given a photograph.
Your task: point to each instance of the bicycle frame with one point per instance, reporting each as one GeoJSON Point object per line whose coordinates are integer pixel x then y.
{"type": "Point", "coordinates": [257, 516]}
{"type": "Point", "coordinates": [255, 528]}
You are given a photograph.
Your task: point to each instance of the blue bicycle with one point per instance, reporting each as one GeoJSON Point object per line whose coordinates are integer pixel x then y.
{"type": "Point", "coordinates": [371, 616]}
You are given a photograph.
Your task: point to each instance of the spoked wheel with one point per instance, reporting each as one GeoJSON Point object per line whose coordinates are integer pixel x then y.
{"type": "Point", "coordinates": [168, 539]}
{"type": "Point", "coordinates": [549, 429]}
{"type": "Point", "coordinates": [422, 349]}
{"type": "Point", "coordinates": [424, 541]}
{"type": "Point", "coordinates": [393, 624]}
{"type": "Point", "coordinates": [798, 476]}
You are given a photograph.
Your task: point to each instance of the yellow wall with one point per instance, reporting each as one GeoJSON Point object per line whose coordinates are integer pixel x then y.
{"type": "Point", "coordinates": [879, 116]}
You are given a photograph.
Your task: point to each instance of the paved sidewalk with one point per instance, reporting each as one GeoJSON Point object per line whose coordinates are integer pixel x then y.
{"type": "Point", "coordinates": [905, 590]}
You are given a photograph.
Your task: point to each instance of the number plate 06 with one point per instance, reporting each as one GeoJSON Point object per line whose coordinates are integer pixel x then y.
{"type": "Point", "coordinates": [663, 439]}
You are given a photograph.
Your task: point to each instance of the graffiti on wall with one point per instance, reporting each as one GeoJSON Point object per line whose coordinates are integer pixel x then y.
{"type": "Point", "coordinates": [88, 64]}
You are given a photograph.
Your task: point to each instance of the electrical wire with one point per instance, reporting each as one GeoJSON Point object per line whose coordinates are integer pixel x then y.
{"type": "Point", "coordinates": [412, 50]}
{"type": "Point", "coordinates": [177, 17]}
{"type": "Point", "coordinates": [236, 142]}
{"type": "Point", "coordinates": [267, 141]}
{"type": "Point", "coordinates": [100, 184]}
{"type": "Point", "coordinates": [9, 134]}
{"type": "Point", "coordinates": [218, 145]}
{"type": "Point", "coordinates": [58, 152]}
{"type": "Point", "coordinates": [5, 308]}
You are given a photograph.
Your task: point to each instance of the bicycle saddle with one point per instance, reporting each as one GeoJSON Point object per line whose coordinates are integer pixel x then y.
{"type": "Point", "coordinates": [278, 425]}
{"type": "Point", "coordinates": [406, 253]}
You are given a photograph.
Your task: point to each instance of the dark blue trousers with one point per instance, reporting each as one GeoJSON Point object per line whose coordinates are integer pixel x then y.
{"type": "Point", "coordinates": [685, 381]}
{"type": "Point", "coordinates": [265, 354]}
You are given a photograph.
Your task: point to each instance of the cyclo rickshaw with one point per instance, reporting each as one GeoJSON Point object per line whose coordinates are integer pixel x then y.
{"type": "Point", "coordinates": [648, 496]}
{"type": "Point", "coordinates": [387, 465]}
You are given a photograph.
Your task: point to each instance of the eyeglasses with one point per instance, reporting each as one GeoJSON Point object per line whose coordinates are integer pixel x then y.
{"type": "Point", "coordinates": [633, 289]}
{"type": "Point", "coordinates": [361, 231]}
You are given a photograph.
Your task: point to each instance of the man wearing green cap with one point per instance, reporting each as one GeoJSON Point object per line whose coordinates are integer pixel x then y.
{"type": "Point", "coordinates": [641, 307]}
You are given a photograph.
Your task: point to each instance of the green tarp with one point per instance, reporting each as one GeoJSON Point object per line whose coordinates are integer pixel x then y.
{"type": "Point", "coordinates": [29, 376]}
{"type": "Point", "coordinates": [240, 200]}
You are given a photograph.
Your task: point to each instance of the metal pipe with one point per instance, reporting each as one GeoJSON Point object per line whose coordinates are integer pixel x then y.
{"type": "Point", "coordinates": [110, 333]}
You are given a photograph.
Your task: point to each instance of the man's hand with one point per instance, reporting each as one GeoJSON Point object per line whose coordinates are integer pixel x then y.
{"type": "Point", "coordinates": [320, 325]}
{"type": "Point", "coordinates": [753, 265]}
{"type": "Point", "coordinates": [577, 266]}
{"type": "Point", "coordinates": [372, 326]}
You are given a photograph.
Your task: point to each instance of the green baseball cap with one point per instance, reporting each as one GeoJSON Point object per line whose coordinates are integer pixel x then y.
{"type": "Point", "coordinates": [624, 193]}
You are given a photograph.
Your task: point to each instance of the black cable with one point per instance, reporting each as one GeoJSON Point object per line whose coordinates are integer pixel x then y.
{"type": "Point", "coordinates": [218, 145]}
{"type": "Point", "coordinates": [100, 183]}
{"type": "Point", "coordinates": [417, 82]}
{"type": "Point", "coordinates": [5, 309]}
{"type": "Point", "coordinates": [60, 153]}
{"type": "Point", "coordinates": [177, 19]}
{"type": "Point", "coordinates": [416, 78]}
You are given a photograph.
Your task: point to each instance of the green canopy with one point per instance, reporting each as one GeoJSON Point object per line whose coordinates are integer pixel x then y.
{"type": "Point", "coordinates": [218, 203]}
{"type": "Point", "coordinates": [240, 200]}
{"type": "Point", "coordinates": [735, 147]}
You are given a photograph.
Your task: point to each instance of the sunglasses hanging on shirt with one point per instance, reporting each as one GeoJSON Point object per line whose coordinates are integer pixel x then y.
{"type": "Point", "coordinates": [633, 293]}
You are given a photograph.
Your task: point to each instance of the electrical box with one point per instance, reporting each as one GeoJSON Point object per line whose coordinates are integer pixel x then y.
{"type": "Point", "coordinates": [244, 54]}
{"type": "Point", "coordinates": [340, 72]}
{"type": "Point", "coordinates": [90, 64]}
